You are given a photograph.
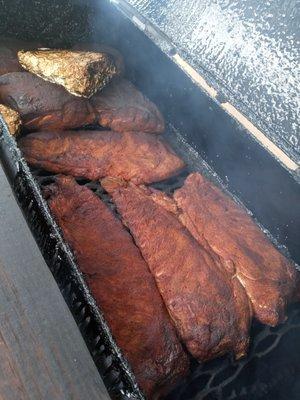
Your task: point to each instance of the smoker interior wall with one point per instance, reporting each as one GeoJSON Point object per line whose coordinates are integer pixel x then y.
{"type": "Point", "coordinates": [54, 23]}
{"type": "Point", "coordinates": [248, 50]}
{"type": "Point", "coordinates": [265, 187]}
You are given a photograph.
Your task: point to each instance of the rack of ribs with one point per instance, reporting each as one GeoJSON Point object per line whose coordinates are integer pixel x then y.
{"type": "Point", "coordinates": [222, 226]}
{"type": "Point", "coordinates": [140, 157]}
{"type": "Point", "coordinates": [120, 282]}
{"type": "Point", "coordinates": [211, 314]}
{"type": "Point", "coordinates": [43, 105]}
{"type": "Point", "coordinates": [121, 107]}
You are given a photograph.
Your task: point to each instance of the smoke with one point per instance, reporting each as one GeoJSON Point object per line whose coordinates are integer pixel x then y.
{"type": "Point", "coordinates": [245, 168]}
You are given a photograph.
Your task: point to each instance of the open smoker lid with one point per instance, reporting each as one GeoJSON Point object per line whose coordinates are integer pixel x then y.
{"type": "Point", "coordinates": [247, 50]}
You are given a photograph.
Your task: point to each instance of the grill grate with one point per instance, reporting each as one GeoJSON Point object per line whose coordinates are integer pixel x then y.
{"type": "Point", "coordinates": [226, 378]}
{"type": "Point", "coordinates": [258, 375]}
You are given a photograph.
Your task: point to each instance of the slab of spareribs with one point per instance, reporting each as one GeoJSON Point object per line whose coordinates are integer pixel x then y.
{"type": "Point", "coordinates": [217, 222]}
{"type": "Point", "coordinates": [122, 107]}
{"type": "Point", "coordinates": [121, 284]}
{"type": "Point", "coordinates": [43, 105]}
{"type": "Point", "coordinates": [200, 297]}
{"type": "Point", "coordinates": [140, 157]}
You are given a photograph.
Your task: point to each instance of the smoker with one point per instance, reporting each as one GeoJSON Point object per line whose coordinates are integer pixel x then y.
{"type": "Point", "coordinates": [210, 140]}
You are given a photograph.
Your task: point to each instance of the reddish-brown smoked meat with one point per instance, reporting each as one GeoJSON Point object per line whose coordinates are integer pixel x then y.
{"type": "Point", "coordinates": [140, 157]}
{"type": "Point", "coordinates": [217, 222]}
{"type": "Point", "coordinates": [47, 106]}
{"type": "Point", "coordinates": [198, 294]}
{"type": "Point", "coordinates": [121, 284]}
{"type": "Point", "coordinates": [43, 105]}
{"type": "Point", "coordinates": [121, 107]}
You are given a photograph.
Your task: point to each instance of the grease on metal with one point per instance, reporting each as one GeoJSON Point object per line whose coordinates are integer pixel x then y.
{"type": "Point", "coordinates": [247, 50]}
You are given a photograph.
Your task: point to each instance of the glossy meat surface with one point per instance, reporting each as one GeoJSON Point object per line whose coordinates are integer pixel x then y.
{"type": "Point", "coordinates": [43, 105]}
{"type": "Point", "coordinates": [243, 305]}
{"type": "Point", "coordinates": [215, 219]}
{"type": "Point", "coordinates": [140, 157]}
{"type": "Point", "coordinates": [199, 296]}
{"type": "Point", "coordinates": [121, 284]}
{"type": "Point", "coordinates": [122, 107]}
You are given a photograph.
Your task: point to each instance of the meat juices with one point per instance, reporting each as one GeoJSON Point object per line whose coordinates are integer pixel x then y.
{"type": "Point", "coordinates": [140, 157]}
{"type": "Point", "coordinates": [43, 105]}
{"type": "Point", "coordinates": [121, 284]}
{"type": "Point", "coordinates": [217, 222]}
{"type": "Point", "coordinates": [199, 296]}
{"type": "Point", "coordinates": [121, 107]}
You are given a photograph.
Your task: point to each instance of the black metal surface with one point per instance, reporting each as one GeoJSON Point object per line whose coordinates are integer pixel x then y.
{"type": "Point", "coordinates": [269, 372]}
{"type": "Point", "coordinates": [42, 20]}
{"type": "Point", "coordinates": [248, 49]}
